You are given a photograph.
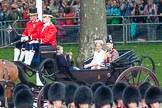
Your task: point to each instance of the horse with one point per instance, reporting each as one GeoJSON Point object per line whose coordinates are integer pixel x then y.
{"type": "Point", "coordinates": [8, 77]}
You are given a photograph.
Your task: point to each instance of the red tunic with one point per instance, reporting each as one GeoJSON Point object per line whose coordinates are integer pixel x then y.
{"type": "Point", "coordinates": [48, 34]}
{"type": "Point", "coordinates": [32, 29]}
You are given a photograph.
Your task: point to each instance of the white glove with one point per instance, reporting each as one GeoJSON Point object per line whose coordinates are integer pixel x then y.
{"type": "Point", "coordinates": [33, 41]}
{"type": "Point", "coordinates": [22, 39]}
{"type": "Point", "coordinates": [26, 38]}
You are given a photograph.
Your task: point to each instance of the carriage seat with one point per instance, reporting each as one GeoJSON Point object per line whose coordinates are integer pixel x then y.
{"type": "Point", "coordinates": [125, 59]}
{"type": "Point", "coordinates": [47, 51]}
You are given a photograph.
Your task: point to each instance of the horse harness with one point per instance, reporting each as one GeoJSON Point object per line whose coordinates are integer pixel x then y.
{"type": "Point", "coordinates": [5, 71]}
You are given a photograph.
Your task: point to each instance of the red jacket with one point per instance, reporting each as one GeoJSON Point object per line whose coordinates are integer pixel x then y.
{"type": "Point", "coordinates": [32, 29]}
{"type": "Point", "coordinates": [48, 34]}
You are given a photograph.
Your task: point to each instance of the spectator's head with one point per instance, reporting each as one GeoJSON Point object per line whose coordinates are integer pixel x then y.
{"type": "Point", "coordinates": [33, 14]}
{"type": "Point", "coordinates": [68, 10]}
{"type": "Point", "coordinates": [14, 6]}
{"type": "Point", "coordinates": [109, 42]}
{"type": "Point", "coordinates": [47, 16]}
{"type": "Point", "coordinates": [57, 1]}
{"type": "Point", "coordinates": [5, 7]}
{"type": "Point", "coordinates": [114, 3]}
{"type": "Point", "coordinates": [150, 2]}
{"type": "Point", "coordinates": [25, 6]}
{"type": "Point", "coordinates": [19, 3]}
{"type": "Point", "coordinates": [61, 11]}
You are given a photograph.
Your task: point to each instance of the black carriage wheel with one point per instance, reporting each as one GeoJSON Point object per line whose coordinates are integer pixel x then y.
{"type": "Point", "coordinates": [135, 75]}
{"type": "Point", "coordinates": [40, 101]}
{"type": "Point", "coordinates": [151, 60]}
{"type": "Point", "coordinates": [47, 70]}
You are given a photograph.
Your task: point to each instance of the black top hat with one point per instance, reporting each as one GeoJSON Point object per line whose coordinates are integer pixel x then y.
{"type": "Point", "coordinates": [83, 95]}
{"type": "Point", "coordinates": [109, 39]}
{"type": "Point", "coordinates": [131, 94]}
{"type": "Point", "coordinates": [45, 91]}
{"type": "Point", "coordinates": [47, 13]}
{"type": "Point", "coordinates": [56, 92]}
{"type": "Point", "coordinates": [143, 87]}
{"type": "Point", "coordinates": [19, 87]}
{"type": "Point", "coordinates": [24, 98]}
{"type": "Point", "coordinates": [117, 90]}
{"type": "Point", "coordinates": [103, 96]}
{"type": "Point", "coordinates": [32, 11]}
{"type": "Point", "coordinates": [69, 95]}
{"type": "Point", "coordinates": [153, 95]}
{"type": "Point", "coordinates": [96, 85]}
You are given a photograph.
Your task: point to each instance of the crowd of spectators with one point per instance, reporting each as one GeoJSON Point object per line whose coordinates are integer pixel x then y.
{"type": "Point", "coordinates": [133, 11]}
{"type": "Point", "coordinates": [71, 8]}
{"type": "Point", "coordinates": [18, 9]}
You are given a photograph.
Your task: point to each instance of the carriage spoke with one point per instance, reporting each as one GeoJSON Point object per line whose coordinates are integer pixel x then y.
{"type": "Point", "coordinates": [132, 78]}
{"type": "Point", "coordinates": [139, 77]}
{"type": "Point", "coordinates": [126, 79]}
{"type": "Point", "coordinates": [147, 78]}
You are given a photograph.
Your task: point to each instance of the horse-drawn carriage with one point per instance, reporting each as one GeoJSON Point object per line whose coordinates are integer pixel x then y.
{"type": "Point", "coordinates": [128, 67]}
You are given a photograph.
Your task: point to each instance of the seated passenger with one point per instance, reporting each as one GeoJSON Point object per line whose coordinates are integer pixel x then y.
{"type": "Point", "coordinates": [72, 67]}
{"type": "Point", "coordinates": [98, 57]}
{"type": "Point", "coordinates": [111, 53]}
{"type": "Point", "coordinates": [61, 59]}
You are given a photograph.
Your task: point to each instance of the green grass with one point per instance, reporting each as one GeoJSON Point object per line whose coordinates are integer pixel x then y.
{"type": "Point", "coordinates": [148, 49]}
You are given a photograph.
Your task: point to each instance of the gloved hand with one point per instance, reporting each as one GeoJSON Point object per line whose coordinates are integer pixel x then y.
{"type": "Point", "coordinates": [26, 38]}
{"type": "Point", "coordinates": [22, 39]}
{"type": "Point", "coordinates": [33, 41]}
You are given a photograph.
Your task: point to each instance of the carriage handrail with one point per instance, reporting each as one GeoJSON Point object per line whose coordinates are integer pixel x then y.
{"type": "Point", "coordinates": [123, 56]}
{"type": "Point", "coordinates": [125, 59]}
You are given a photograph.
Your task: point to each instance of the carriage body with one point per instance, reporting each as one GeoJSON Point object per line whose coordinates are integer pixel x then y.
{"type": "Point", "coordinates": [128, 68]}
{"type": "Point", "coordinates": [112, 73]}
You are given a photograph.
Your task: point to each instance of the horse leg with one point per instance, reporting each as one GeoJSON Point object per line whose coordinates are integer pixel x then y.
{"type": "Point", "coordinates": [8, 94]}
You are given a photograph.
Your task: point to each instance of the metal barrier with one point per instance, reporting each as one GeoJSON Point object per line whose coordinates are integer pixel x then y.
{"type": "Point", "coordinates": [122, 32]}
